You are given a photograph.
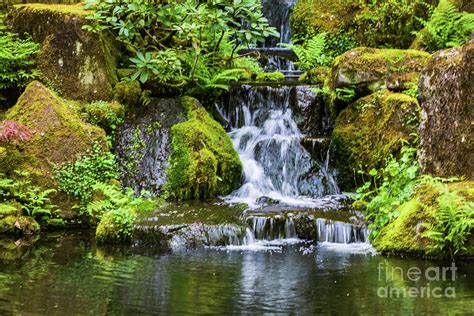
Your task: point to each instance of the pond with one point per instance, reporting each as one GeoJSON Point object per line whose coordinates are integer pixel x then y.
{"type": "Point", "coordinates": [67, 273]}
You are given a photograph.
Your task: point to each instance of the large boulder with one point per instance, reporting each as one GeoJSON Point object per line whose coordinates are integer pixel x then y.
{"type": "Point", "coordinates": [447, 128]}
{"type": "Point", "coordinates": [78, 63]}
{"type": "Point", "coordinates": [372, 69]}
{"type": "Point", "coordinates": [370, 130]}
{"type": "Point", "coordinates": [59, 135]}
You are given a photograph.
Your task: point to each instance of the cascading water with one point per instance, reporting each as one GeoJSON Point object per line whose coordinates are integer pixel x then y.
{"type": "Point", "coordinates": [268, 140]}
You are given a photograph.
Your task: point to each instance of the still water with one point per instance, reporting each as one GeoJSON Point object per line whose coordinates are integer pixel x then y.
{"type": "Point", "coordinates": [68, 274]}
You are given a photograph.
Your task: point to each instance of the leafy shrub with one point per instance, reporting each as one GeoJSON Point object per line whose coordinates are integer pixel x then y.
{"type": "Point", "coordinates": [388, 189]}
{"type": "Point", "coordinates": [107, 115]}
{"type": "Point", "coordinates": [182, 43]}
{"type": "Point", "coordinates": [78, 178]}
{"type": "Point", "coordinates": [447, 27]}
{"type": "Point", "coordinates": [17, 61]}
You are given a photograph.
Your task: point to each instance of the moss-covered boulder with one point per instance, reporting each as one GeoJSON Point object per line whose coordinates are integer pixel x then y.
{"type": "Point", "coordinates": [446, 98]}
{"type": "Point", "coordinates": [78, 63]}
{"type": "Point", "coordinates": [370, 130]}
{"type": "Point", "coordinates": [371, 69]}
{"type": "Point", "coordinates": [407, 234]}
{"type": "Point", "coordinates": [59, 134]}
{"type": "Point", "coordinates": [204, 163]}
{"type": "Point", "coordinates": [174, 147]}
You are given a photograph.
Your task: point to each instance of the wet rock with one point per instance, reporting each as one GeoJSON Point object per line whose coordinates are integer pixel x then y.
{"type": "Point", "coordinates": [370, 130]}
{"type": "Point", "coordinates": [59, 136]}
{"type": "Point", "coordinates": [266, 200]}
{"type": "Point", "coordinates": [371, 69]}
{"type": "Point", "coordinates": [79, 63]}
{"type": "Point", "coordinates": [447, 111]}
{"type": "Point", "coordinates": [143, 144]}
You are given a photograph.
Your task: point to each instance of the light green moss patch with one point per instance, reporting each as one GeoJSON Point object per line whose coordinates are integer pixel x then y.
{"type": "Point", "coordinates": [204, 163]}
{"type": "Point", "coordinates": [75, 9]}
{"type": "Point", "coordinates": [270, 76]}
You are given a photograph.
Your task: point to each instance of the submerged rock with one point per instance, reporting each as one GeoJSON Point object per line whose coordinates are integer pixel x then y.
{"type": "Point", "coordinates": [79, 63]}
{"type": "Point", "coordinates": [370, 130]}
{"type": "Point", "coordinates": [372, 69]}
{"type": "Point", "coordinates": [59, 135]}
{"type": "Point", "coordinates": [447, 111]}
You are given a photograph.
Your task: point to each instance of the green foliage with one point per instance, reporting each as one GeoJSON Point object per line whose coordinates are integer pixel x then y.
{"type": "Point", "coordinates": [447, 27]}
{"type": "Point", "coordinates": [346, 94]}
{"type": "Point", "coordinates": [107, 115]}
{"type": "Point", "coordinates": [17, 61]}
{"type": "Point", "coordinates": [312, 53]}
{"type": "Point", "coordinates": [453, 220]}
{"type": "Point", "coordinates": [78, 178]}
{"type": "Point", "coordinates": [33, 200]}
{"type": "Point", "coordinates": [182, 43]}
{"type": "Point", "coordinates": [388, 188]}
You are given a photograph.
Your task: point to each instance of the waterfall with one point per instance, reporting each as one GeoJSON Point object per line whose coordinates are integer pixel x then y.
{"type": "Point", "coordinates": [269, 143]}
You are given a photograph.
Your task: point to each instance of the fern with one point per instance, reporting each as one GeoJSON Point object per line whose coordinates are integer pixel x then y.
{"type": "Point", "coordinates": [312, 53]}
{"type": "Point", "coordinates": [447, 27]}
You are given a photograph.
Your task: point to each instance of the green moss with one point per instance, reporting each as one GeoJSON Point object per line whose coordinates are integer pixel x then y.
{"type": "Point", "coordinates": [204, 163]}
{"type": "Point", "coordinates": [62, 8]}
{"type": "Point", "coordinates": [115, 226]}
{"type": "Point", "coordinates": [406, 234]}
{"type": "Point", "coordinates": [107, 115]}
{"type": "Point", "coordinates": [370, 130]}
{"type": "Point", "coordinates": [315, 76]}
{"type": "Point", "coordinates": [270, 76]}
{"type": "Point", "coordinates": [128, 92]}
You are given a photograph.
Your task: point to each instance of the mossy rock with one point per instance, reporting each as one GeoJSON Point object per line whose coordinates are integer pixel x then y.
{"type": "Point", "coordinates": [110, 230]}
{"type": "Point", "coordinates": [204, 163]}
{"type": "Point", "coordinates": [59, 136]}
{"type": "Point", "coordinates": [128, 92]}
{"type": "Point", "coordinates": [18, 225]}
{"type": "Point", "coordinates": [80, 64]}
{"type": "Point", "coordinates": [446, 132]}
{"type": "Point", "coordinates": [406, 234]}
{"type": "Point", "coordinates": [370, 130]}
{"type": "Point", "coordinates": [315, 76]}
{"type": "Point", "coordinates": [371, 69]}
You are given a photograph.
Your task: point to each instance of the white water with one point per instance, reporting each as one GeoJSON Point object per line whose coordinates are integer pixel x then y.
{"type": "Point", "coordinates": [268, 141]}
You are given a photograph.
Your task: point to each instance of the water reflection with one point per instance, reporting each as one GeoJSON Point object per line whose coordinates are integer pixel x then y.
{"type": "Point", "coordinates": [69, 274]}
